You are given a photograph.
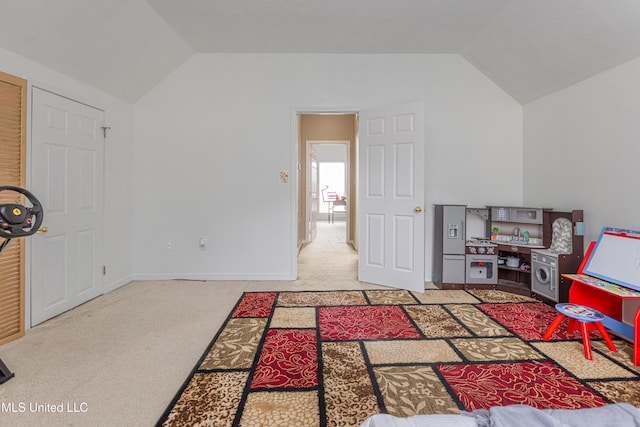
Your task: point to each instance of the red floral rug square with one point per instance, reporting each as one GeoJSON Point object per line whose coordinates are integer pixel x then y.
{"type": "Point", "coordinates": [258, 304]}
{"type": "Point", "coordinates": [527, 320]}
{"type": "Point", "coordinates": [538, 384]}
{"type": "Point", "coordinates": [289, 359]}
{"type": "Point", "coordinates": [365, 323]}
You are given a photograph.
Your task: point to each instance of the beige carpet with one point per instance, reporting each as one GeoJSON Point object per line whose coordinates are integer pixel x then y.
{"type": "Point", "coordinates": [120, 358]}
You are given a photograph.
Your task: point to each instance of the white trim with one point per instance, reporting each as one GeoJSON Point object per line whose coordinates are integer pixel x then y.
{"type": "Point", "coordinates": [293, 212]}
{"type": "Point", "coordinates": [119, 283]}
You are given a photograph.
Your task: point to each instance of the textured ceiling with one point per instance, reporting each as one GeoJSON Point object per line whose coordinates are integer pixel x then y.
{"type": "Point", "coordinates": [125, 47]}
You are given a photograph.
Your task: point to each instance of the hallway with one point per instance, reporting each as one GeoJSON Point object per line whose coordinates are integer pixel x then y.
{"type": "Point", "coordinates": [328, 258]}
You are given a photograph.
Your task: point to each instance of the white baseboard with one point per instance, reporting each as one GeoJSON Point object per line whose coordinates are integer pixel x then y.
{"type": "Point", "coordinates": [212, 277]}
{"type": "Point", "coordinates": [115, 285]}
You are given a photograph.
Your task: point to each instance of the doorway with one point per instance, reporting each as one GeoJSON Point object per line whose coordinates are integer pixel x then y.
{"type": "Point", "coordinates": [326, 157]}
{"type": "Point", "coordinates": [390, 173]}
{"type": "Point", "coordinates": [329, 190]}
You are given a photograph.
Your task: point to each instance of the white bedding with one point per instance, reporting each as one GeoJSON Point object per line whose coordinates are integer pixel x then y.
{"type": "Point", "coordinates": [435, 420]}
{"type": "Point", "coordinates": [614, 415]}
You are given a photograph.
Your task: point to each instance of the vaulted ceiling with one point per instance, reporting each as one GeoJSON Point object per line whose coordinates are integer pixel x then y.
{"type": "Point", "coordinates": [530, 48]}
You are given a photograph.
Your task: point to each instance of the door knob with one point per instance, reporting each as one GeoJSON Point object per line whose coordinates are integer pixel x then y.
{"type": "Point", "coordinates": [418, 209]}
{"type": "Point", "coordinates": [43, 230]}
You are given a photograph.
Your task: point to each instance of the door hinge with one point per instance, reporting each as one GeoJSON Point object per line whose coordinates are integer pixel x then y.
{"type": "Point", "coordinates": [105, 129]}
{"type": "Point", "coordinates": [104, 270]}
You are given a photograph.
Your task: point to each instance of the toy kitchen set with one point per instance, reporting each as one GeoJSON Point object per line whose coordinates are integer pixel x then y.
{"type": "Point", "coordinates": [515, 249]}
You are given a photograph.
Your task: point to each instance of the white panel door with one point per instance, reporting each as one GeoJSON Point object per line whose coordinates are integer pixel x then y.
{"type": "Point", "coordinates": [391, 196]}
{"type": "Point", "coordinates": [67, 176]}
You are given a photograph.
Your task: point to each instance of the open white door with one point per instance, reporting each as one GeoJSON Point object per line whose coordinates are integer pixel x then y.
{"type": "Point", "coordinates": [67, 175]}
{"type": "Point", "coordinates": [391, 218]}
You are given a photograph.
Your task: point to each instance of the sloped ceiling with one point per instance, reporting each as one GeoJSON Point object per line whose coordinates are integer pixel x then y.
{"type": "Point", "coordinates": [125, 47]}
{"type": "Point", "coordinates": [120, 46]}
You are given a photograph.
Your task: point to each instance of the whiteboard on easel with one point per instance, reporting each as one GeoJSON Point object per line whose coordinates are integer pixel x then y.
{"type": "Point", "coordinates": [616, 257]}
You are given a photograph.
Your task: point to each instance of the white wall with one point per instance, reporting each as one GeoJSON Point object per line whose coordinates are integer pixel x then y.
{"type": "Point", "coordinates": [118, 157]}
{"type": "Point", "coordinates": [582, 149]}
{"type": "Point", "coordinates": [212, 138]}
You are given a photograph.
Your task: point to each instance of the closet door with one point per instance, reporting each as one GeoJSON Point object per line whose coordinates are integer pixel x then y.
{"type": "Point", "coordinates": [68, 175]}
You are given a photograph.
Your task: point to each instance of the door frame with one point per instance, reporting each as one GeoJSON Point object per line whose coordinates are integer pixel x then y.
{"type": "Point", "coordinates": [295, 181]}
{"type": "Point", "coordinates": [309, 160]}
{"type": "Point", "coordinates": [347, 180]}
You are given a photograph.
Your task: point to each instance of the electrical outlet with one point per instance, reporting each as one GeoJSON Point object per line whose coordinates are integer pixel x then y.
{"type": "Point", "coordinates": [169, 245]}
{"type": "Point", "coordinates": [203, 243]}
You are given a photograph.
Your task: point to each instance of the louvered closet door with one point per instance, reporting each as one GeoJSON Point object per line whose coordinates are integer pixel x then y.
{"type": "Point", "coordinates": [12, 172]}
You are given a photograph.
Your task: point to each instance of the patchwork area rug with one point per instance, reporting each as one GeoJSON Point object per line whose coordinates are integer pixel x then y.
{"type": "Point", "coordinates": [334, 358]}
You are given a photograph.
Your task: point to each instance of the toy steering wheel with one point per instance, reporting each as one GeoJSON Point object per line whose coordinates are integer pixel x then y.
{"type": "Point", "coordinates": [17, 220]}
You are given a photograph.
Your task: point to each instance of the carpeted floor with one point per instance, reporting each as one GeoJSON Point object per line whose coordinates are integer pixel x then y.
{"type": "Point", "coordinates": [333, 358]}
